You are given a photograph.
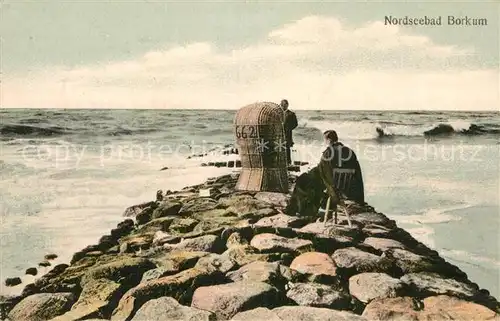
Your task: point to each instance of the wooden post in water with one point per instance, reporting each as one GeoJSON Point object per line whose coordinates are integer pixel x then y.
{"type": "Point", "coordinates": [260, 138]}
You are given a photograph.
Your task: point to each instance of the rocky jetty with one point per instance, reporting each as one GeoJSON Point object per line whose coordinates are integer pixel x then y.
{"type": "Point", "coordinates": [235, 256]}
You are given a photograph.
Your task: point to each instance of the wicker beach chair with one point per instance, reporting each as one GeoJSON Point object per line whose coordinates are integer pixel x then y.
{"type": "Point", "coordinates": [342, 178]}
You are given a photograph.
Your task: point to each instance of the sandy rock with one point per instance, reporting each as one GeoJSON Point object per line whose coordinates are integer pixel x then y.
{"type": "Point", "coordinates": [145, 215]}
{"type": "Point", "coordinates": [159, 224]}
{"type": "Point", "coordinates": [426, 284]}
{"type": "Point", "coordinates": [368, 286]}
{"type": "Point", "coordinates": [120, 269]}
{"type": "Point", "coordinates": [268, 242]}
{"type": "Point", "coordinates": [206, 243]}
{"type": "Point", "coordinates": [282, 220]}
{"type": "Point", "coordinates": [136, 242]}
{"type": "Point", "coordinates": [180, 286]}
{"type": "Point", "coordinates": [167, 208]}
{"type": "Point", "coordinates": [276, 199]}
{"type": "Point", "coordinates": [246, 206]}
{"type": "Point", "coordinates": [98, 298]}
{"type": "Point", "coordinates": [168, 309]}
{"type": "Point", "coordinates": [433, 308]}
{"type": "Point", "coordinates": [42, 306]}
{"type": "Point", "coordinates": [171, 263]}
{"type": "Point", "coordinates": [183, 225]}
{"type": "Point", "coordinates": [317, 265]}
{"type": "Point", "coordinates": [375, 230]}
{"type": "Point", "coordinates": [367, 218]}
{"type": "Point", "coordinates": [318, 295]}
{"type": "Point", "coordinates": [457, 309]}
{"type": "Point", "coordinates": [331, 230]}
{"type": "Point", "coordinates": [236, 239]}
{"type": "Point", "coordinates": [245, 254]}
{"type": "Point", "coordinates": [260, 271]}
{"type": "Point", "coordinates": [198, 205]}
{"type": "Point", "coordinates": [132, 211]}
{"type": "Point", "coordinates": [359, 261]}
{"type": "Point", "coordinates": [226, 300]}
{"type": "Point", "coordinates": [410, 262]}
{"type": "Point", "coordinates": [296, 313]}
{"type": "Point", "coordinates": [383, 244]}
{"type": "Point", "coordinates": [220, 262]}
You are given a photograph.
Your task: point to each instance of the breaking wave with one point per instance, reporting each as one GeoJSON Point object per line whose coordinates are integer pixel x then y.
{"type": "Point", "coordinates": [312, 129]}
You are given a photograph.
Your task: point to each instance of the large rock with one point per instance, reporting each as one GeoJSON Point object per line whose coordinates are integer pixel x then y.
{"type": "Point", "coordinates": [358, 261]}
{"type": "Point", "coordinates": [319, 295]}
{"type": "Point", "coordinates": [205, 243]}
{"type": "Point", "coordinates": [260, 271]}
{"type": "Point", "coordinates": [220, 262]}
{"type": "Point", "coordinates": [282, 220]}
{"type": "Point", "coordinates": [132, 211]}
{"type": "Point", "coordinates": [368, 286]}
{"type": "Point", "coordinates": [183, 225]}
{"type": "Point", "coordinates": [198, 205]}
{"type": "Point", "coordinates": [268, 242]}
{"type": "Point", "coordinates": [179, 286]}
{"type": "Point", "coordinates": [136, 242]}
{"type": "Point", "coordinates": [171, 263]}
{"type": "Point", "coordinates": [226, 300]}
{"type": "Point", "coordinates": [297, 313]}
{"type": "Point", "coordinates": [383, 244]}
{"type": "Point", "coordinates": [167, 208]}
{"type": "Point", "coordinates": [315, 264]}
{"type": "Point", "coordinates": [427, 284]}
{"type": "Point", "coordinates": [410, 262]}
{"type": "Point", "coordinates": [98, 298]}
{"type": "Point", "coordinates": [168, 309]}
{"type": "Point", "coordinates": [159, 224]}
{"type": "Point", "coordinates": [123, 268]}
{"type": "Point", "coordinates": [245, 254]}
{"type": "Point", "coordinates": [331, 230]}
{"type": "Point", "coordinates": [276, 199]}
{"type": "Point", "coordinates": [434, 308]}
{"type": "Point", "coordinates": [42, 306]}
{"type": "Point", "coordinates": [245, 206]}
{"type": "Point", "coordinates": [367, 218]}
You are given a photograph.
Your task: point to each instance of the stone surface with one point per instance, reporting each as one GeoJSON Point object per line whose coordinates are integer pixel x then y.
{"type": "Point", "coordinates": [282, 220]}
{"type": "Point", "coordinates": [268, 242]}
{"type": "Point", "coordinates": [167, 208]}
{"type": "Point", "coordinates": [13, 281]}
{"type": "Point", "coordinates": [277, 199]}
{"type": "Point", "coordinates": [180, 286]}
{"type": "Point", "coordinates": [410, 262]}
{"type": "Point", "coordinates": [220, 262]}
{"type": "Point", "coordinates": [42, 306]}
{"type": "Point", "coordinates": [367, 218]}
{"type": "Point", "coordinates": [297, 313]}
{"type": "Point", "coordinates": [383, 244]}
{"type": "Point", "coordinates": [226, 300]}
{"type": "Point", "coordinates": [183, 225]}
{"type": "Point", "coordinates": [168, 309]}
{"type": "Point", "coordinates": [360, 261]}
{"type": "Point", "coordinates": [318, 295]}
{"type": "Point", "coordinates": [315, 264]}
{"type": "Point", "coordinates": [425, 284]}
{"type": "Point", "coordinates": [434, 308]}
{"type": "Point", "coordinates": [98, 298]}
{"type": "Point", "coordinates": [260, 271]}
{"type": "Point", "coordinates": [368, 286]}
{"type": "Point", "coordinates": [206, 243]}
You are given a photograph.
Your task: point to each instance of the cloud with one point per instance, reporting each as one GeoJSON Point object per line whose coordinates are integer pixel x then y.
{"type": "Point", "coordinates": [316, 62]}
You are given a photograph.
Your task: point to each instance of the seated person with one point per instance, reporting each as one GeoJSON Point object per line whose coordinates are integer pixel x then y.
{"type": "Point", "coordinates": [309, 192]}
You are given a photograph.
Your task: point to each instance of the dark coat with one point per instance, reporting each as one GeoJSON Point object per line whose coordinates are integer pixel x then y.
{"type": "Point", "coordinates": [340, 156]}
{"type": "Point", "coordinates": [290, 124]}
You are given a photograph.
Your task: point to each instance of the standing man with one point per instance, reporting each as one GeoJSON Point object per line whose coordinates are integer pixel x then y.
{"type": "Point", "coordinates": [289, 124]}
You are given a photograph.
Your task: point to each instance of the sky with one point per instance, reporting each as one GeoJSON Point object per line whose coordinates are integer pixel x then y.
{"type": "Point", "coordinates": [227, 54]}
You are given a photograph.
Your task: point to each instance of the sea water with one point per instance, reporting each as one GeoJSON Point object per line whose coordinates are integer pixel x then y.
{"type": "Point", "coordinates": [66, 176]}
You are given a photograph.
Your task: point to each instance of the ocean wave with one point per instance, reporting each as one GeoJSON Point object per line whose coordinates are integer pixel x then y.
{"type": "Point", "coordinates": [26, 130]}
{"type": "Point", "coordinates": [383, 130]}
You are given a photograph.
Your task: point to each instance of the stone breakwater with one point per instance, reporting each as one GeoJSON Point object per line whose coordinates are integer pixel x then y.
{"type": "Point", "coordinates": [236, 256]}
